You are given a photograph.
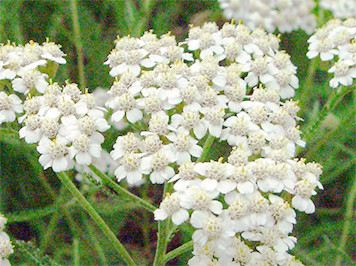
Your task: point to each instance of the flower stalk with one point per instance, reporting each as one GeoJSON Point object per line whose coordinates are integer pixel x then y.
{"type": "Point", "coordinates": [121, 191]}
{"type": "Point", "coordinates": [96, 217]}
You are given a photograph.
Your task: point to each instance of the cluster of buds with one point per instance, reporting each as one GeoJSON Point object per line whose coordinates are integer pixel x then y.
{"type": "Point", "coordinates": [5, 244]}
{"type": "Point", "coordinates": [217, 85]}
{"type": "Point", "coordinates": [336, 39]}
{"type": "Point", "coordinates": [285, 16]}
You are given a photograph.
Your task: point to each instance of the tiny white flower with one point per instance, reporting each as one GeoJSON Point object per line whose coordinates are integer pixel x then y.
{"type": "Point", "coordinates": [84, 148]}
{"type": "Point", "coordinates": [197, 198]}
{"type": "Point", "coordinates": [214, 117]}
{"type": "Point", "coordinates": [170, 207]}
{"type": "Point", "coordinates": [30, 79]}
{"type": "Point", "coordinates": [183, 147]}
{"type": "Point", "coordinates": [210, 227]}
{"type": "Point", "coordinates": [189, 120]}
{"type": "Point", "coordinates": [124, 144]}
{"type": "Point", "coordinates": [87, 106]}
{"type": "Point", "coordinates": [32, 129]}
{"type": "Point", "coordinates": [304, 189]}
{"type": "Point", "coordinates": [6, 248]}
{"type": "Point", "coordinates": [125, 105]}
{"type": "Point", "coordinates": [52, 51]}
{"type": "Point", "coordinates": [131, 168]}
{"type": "Point", "coordinates": [216, 176]}
{"type": "Point", "coordinates": [72, 126]}
{"type": "Point", "coordinates": [54, 154]}
{"type": "Point", "coordinates": [238, 128]}
{"type": "Point", "coordinates": [158, 163]}
{"type": "Point", "coordinates": [344, 73]}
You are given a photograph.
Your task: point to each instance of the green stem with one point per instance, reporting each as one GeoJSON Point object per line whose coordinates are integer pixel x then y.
{"type": "Point", "coordinates": [76, 252]}
{"type": "Point", "coordinates": [161, 244]}
{"type": "Point", "coordinates": [16, 23]}
{"type": "Point", "coordinates": [348, 218]}
{"type": "Point", "coordinates": [96, 243]}
{"type": "Point", "coordinates": [145, 226]}
{"type": "Point", "coordinates": [308, 83]}
{"type": "Point", "coordinates": [54, 219]}
{"type": "Point", "coordinates": [171, 232]}
{"type": "Point", "coordinates": [130, 16]}
{"type": "Point", "coordinates": [78, 43]}
{"type": "Point", "coordinates": [178, 251]}
{"type": "Point", "coordinates": [143, 22]}
{"type": "Point", "coordinates": [96, 217]}
{"type": "Point", "coordinates": [206, 148]}
{"type": "Point", "coordinates": [31, 214]}
{"type": "Point", "coordinates": [121, 191]}
{"type": "Point", "coordinates": [49, 231]}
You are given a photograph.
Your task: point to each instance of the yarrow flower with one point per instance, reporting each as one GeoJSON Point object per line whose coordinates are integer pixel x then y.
{"type": "Point", "coordinates": [229, 85]}
{"type": "Point", "coordinates": [336, 41]}
{"type": "Point", "coordinates": [341, 8]}
{"type": "Point", "coordinates": [66, 124]}
{"type": "Point", "coordinates": [285, 16]}
{"type": "Point", "coordinates": [231, 88]}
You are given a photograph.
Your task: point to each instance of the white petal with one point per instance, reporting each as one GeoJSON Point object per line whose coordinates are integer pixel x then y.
{"type": "Point", "coordinates": [245, 187]}
{"type": "Point", "coordinates": [60, 164]}
{"type": "Point", "coordinates": [160, 214]}
{"type": "Point", "coordinates": [83, 158]}
{"type": "Point", "coordinates": [134, 177]}
{"type": "Point", "coordinates": [196, 151]}
{"type": "Point", "coordinates": [134, 115]}
{"type": "Point", "coordinates": [41, 85]}
{"type": "Point", "coordinates": [216, 207]}
{"type": "Point", "coordinates": [198, 218]}
{"type": "Point", "coordinates": [120, 173]}
{"type": "Point", "coordinates": [200, 130]}
{"type": "Point", "coordinates": [135, 69]}
{"type": "Point", "coordinates": [117, 116]}
{"type": "Point", "coordinates": [193, 45]}
{"type": "Point", "coordinates": [180, 217]}
{"type": "Point", "coordinates": [209, 184]}
{"type": "Point", "coordinates": [226, 186]}
{"type": "Point", "coordinates": [147, 63]}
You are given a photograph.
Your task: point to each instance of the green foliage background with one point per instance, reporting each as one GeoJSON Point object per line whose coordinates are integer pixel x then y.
{"type": "Point", "coordinates": [40, 211]}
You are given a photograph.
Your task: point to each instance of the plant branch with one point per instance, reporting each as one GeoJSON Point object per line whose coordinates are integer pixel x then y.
{"type": "Point", "coordinates": [348, 218]}
{"type": "Point", "coordinates": [96, 217]}
{"type": "Point", "coordinates": [178, 251]}
{"type": "Point", "coordinates": [78, 43]}
{"type": "Point", "coordinates": [121, 191]}
{"type": "Point", "coordinates": [206, 148]}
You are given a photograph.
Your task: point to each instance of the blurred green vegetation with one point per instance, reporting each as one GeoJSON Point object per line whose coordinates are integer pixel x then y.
{"type": "Point", "coordinates": [41, 211]}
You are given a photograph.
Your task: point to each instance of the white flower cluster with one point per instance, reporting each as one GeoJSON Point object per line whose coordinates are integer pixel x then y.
{"type": "Point", "coordinates": [65, 122]}
{"type": "Point", "coordinates": [226, 84]}
{"type": "Point", "coordinates": [20, 65]}
{"type": "Point", "coordinates": [6, 247]}
{"type": "Point", "coordinates": [284, 15]}
{"type": "Point", "coordinates": [336, 41]}
{"type": "Point", "coordinates": [341, 8]}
